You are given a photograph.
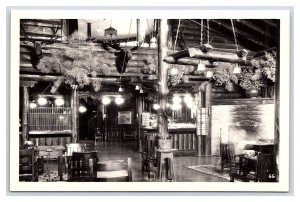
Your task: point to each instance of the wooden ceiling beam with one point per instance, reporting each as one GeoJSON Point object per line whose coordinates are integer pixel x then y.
{"type": "Point", "coordinates": [211, 29]}
{"type": "Point", "coordinates": [256, 28]}
{"type": "Point", "coordinates": [240, 32]}
{"type": "Point", "coordinates": [270, 22]}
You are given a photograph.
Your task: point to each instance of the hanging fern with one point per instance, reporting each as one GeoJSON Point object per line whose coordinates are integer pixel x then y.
{"type": "Point", "coordinates": [76, 66]}
{"type": "Point", "coordinates": [224, 76]}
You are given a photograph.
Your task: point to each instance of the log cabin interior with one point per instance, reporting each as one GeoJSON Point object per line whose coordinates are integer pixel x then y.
{"type": "Point", "coordinates": [192, 91]}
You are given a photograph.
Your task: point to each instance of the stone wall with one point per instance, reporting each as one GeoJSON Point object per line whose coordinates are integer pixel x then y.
{"type": "Point", "coordinates": [241, 123]}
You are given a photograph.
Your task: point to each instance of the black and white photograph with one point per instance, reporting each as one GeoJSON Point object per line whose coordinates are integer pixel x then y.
{"type": "Point", "coordinates": [163, 104]}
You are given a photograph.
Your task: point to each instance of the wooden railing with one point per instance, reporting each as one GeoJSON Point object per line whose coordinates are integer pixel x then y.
{"type": "Point", "coordinates": [50, 119]}
{"type": "Point", "coordinates": [184, 140]}
{"type": "Point", "coordinates": [119, 134]}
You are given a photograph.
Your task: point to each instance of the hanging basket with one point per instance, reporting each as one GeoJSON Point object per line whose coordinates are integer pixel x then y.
{"type": "Point", "coordinates": [252, 93]}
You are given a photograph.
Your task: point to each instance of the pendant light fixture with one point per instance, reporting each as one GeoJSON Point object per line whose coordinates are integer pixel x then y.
{"type": "Point", "coordinates": [201, 66]}
{"type": "Point", "coordinates": [141, 90]}
{"type": "Point", "coordinates": [119, 100]}
{"type": "Point", "coordinates": [121, 89]}
{"type": "Point", "coordinates": [137, 87]}
{"type": "Point", "coordinates": [209, 74]}
{"type": "Point", "coordinates": [237, 69]}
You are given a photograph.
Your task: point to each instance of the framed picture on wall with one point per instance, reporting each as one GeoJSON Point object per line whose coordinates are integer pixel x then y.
{"type": "Point", "coordinates": [124, 117]}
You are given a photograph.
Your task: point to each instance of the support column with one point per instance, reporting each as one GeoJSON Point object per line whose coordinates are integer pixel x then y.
{"type": "Point", "coordinates": [74, 105]}
{"type": "Point", "coordinates": [25, 114]}
{"type": "Point", "coordinates": [277, 102]}
{"type": "Point", "coordinates": [162, 119]}
{"type": "Point", "coordinates": [139, 103]}
{"type": "Point", "coordinates": [199, 98]}
{"type": "Point", "coordinates": [208, 104]}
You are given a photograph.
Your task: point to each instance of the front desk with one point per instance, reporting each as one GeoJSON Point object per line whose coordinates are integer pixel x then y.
{"type": "Point", "coordinates": [184, 139]}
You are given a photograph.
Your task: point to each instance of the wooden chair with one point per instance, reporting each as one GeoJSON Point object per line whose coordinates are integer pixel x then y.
{"type": "Point", "coordinates": [149, 155]}
{"type": "Point", "coordinates": [266, 168]}
{"type": "Point", "coordinates": [99, 135]}
{"type": "Point", "coordinates": [261, 169]}
{"type": "Point", "coordinates": [114, 171]}
{"type": "Point", "coordinates": [28, 167]}
{"type": "Point", "coordinates": [227, 154]}
{"type": "Point", "coordinates": [82, 166]}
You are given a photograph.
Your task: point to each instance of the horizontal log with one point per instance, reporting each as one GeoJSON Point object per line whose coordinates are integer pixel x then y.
{"type": "Point", "coordinates": [226, 95]}
{"type": "Point", "coordinates": [25, 58]}
{"type": "Point", "coordinates": [217, 56]}
{"type": "Point", "coordinates": [50, 78]}
{"type": "Point", "coordinates": [42, 22]}
{"type": "Point", "coordinates": [188, 61]}
{"type": "Point", "coordinates": [243, 101]}
{"type": "Point", "coordinates": [47, 30]}
{"type": "Point", "coordinates": [40, 38]}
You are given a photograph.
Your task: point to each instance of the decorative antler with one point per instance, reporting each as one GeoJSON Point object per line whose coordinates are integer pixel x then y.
{"type": "Point", "coordinates": [36, 48]}
{"type": "Point", "coordinates": [123, 56]}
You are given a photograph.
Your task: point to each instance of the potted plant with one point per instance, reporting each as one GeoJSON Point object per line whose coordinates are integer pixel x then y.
{"type": "Point", "coordinates": [224, 76]}
{"type": "Point", "coordinates": [251, 80]}
{"type": "Point", "coordinates": [165, 142]}
{"type": "Point", "coordinates": [267, 65]}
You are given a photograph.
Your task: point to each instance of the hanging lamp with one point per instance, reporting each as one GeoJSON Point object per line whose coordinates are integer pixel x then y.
{"type": "Point", "coordinates": [121, 89]}
{"type": "Point", "coordinates": [237, 69]}
{"type": "Point", "coordinates": [110, 31]}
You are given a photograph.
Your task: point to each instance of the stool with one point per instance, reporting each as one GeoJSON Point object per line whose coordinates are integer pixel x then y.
{"type": "Point", "coordinates": [48, 158]}
{"type": "Point", "coordinates": [166, 155]}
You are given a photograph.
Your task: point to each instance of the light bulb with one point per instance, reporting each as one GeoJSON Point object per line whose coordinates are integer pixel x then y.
{"type": "Point", "coordinates": [106, 100]}
{"type": "Point", "coordinates": [237, 70]}
{"type": "Point", "coordinates": [176, 99]}
{"type": "Point", "coordinates": [209, 74]}
{"type": "Point", "coordinates": [174, 71]}
{"type": "Point", "coordinates": [137, 87]}
{"type": "Point", "coordinates": [42, 101]}
{"type": "Point", "coordinates": [176, 106]}
{"type": "Point", "coordinates": [59, 101]}
{"type": "Point", "coordinates": [121, 89]}
{"type": "Point", "coordinates": [32, 105]}
{"type": "Point", "coordinates": [156, 106]}
{"type": "Point", "coordinates": [119, 100]}
{"type": "Point", "coordinates": [200, 67]}
{"type": "Point", "coordinates": [141, 90]}
{"type": "Point", "coordinates": [188, 99]}
{"type": "Point", "coordinates": [82, 109]}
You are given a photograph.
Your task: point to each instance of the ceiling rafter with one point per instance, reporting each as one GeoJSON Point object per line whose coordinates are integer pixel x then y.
{"type": "Point", "coordinates": [241, 33]}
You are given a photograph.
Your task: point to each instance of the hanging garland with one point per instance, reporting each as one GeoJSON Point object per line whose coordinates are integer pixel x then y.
{"type": "Point", "coordinates": [76, 66]}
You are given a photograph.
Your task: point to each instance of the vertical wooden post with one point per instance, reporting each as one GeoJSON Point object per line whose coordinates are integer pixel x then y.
{"type": "Point", "coordinates": [89, 31]}
{"type": "Point", "coordinates": [199, 98]}
{"type": "Point", "coordinates": [139, 120]}
{"type": "Point", "coordinates": [277, 101]}
{"type": "Point", "coordinates": [25, 114]}
{"type": "Point", "coordinates": [208, 104]}
{"type": "Point", "coordinates": [139, 100]}
{"type": "Point", "coordinates": [138, 31]}
{"type": "Point", "coordinates": [162, 119]}
{"type": "Point", "coordinates": [74, 105]}
{"type": "Point", "coordinates": [64, 30]}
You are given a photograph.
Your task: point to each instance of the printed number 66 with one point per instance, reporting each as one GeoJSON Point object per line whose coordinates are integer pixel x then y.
{"type": "Point", "coordinates": [271, 175]}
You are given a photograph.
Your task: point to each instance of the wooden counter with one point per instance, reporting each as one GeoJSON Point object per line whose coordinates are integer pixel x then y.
{"type": "Point", "coordinates": [183, 139]}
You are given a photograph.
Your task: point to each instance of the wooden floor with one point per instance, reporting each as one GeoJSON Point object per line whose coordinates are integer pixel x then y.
{"type": "Point", "coordinates": [123, 150]}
